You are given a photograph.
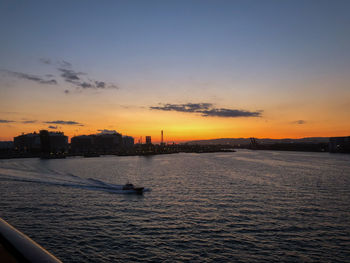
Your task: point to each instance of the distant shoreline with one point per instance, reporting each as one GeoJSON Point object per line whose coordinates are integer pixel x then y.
{"type": "Point", "coordinates": [26, 156]}
{"type": "Point", "coordinates": [62, 156]}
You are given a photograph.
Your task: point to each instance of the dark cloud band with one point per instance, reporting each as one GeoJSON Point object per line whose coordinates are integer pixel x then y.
{"type": "Point", "coordinates": [5, 121]}
{"type": "Point", "coordinates": [29, 121]}
{"type": "Point", "coordinates": [231, 113]}
{"type": "Point", "coordinates": [46, 122]}
{"type": "Point", "coordinates": [189, 107]}
{"type": "Point", "coordinates": [64, 122]}
{"type": "Point", "coordinates": [207, 110]}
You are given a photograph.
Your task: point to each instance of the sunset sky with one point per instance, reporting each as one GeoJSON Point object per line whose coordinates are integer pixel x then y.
{"type": "Point", "coordinates": [195, 69]}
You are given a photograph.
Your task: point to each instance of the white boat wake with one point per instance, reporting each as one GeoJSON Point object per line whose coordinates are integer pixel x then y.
{"type": "Point", "coordinates": [51, 177]}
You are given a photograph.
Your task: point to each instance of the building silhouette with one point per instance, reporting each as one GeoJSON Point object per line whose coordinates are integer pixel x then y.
{"type": "Point", "coordinates": [29, 142]}
{"type": "Point", "coordinates": [339, 144]}
{"type": "Point", "coordinates": [42, 142]}
{"type": "Point", "coordinates": [128, 142]}
{"type": "Point", "coordinates": [101, 143]}
{"type": "Point", "coordinates": [148, 140]}
{"type": "Point", "coordinates": [82, 144]}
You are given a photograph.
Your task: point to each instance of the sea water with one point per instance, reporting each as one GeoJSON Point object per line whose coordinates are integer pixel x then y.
{"type": "Point", "coordinates": [246, 206]}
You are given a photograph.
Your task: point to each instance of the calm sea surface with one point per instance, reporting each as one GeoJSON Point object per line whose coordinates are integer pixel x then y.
{"type": "Point", "coordinates": [248, 206]}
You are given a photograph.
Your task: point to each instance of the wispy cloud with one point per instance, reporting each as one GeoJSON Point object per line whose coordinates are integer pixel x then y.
{"type": "Point", "coordinates": [64, 63]}
{"type": "Point", "coordinates": [70, 75]}
{"type": "Point", "coordinates": [188, 107]}
{"type": "Point", "coordinates": [105, 131]}
{"type": "Point", "coordinates": [80, 79]}
{"type": "Point", "coordinates": [23, 121]}
{"type": "Point", "coordinates": [207, 110]}
{"type": "Point", "coordinates": [231, 113]}
{"type": "Point", "coordinates": [46, 61]}
{"type": "Point", "coordinates": [37, 79]}
{"type": "Point", "coordinates": [6, 121]}
{"type": "Point", "coordinates": [300, 122]}
{"type": "Point", "coordinates": [58, 122]}
{"type": "Point", "coordinates": [60, 63]}
{"type": "Point", "coordinates": [64, 122]}
{"type": "Point", "coordinates": [29, 121]}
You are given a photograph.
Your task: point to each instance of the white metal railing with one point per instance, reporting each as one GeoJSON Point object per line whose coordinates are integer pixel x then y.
{"type": "Point", "coordinates": [25, 246]}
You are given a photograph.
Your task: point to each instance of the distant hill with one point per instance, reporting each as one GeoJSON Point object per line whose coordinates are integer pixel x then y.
{"type": "Point", "coordinates": [245, 141]}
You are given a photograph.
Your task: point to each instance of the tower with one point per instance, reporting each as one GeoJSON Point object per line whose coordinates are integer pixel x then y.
{"type": "Point", "coordinates": [161, 141]}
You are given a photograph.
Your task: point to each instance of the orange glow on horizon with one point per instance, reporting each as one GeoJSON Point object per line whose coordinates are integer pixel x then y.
{"type": "Point", "coordinates": [324, 118]}
{"type": "Point", "coordinates": [183, 127]}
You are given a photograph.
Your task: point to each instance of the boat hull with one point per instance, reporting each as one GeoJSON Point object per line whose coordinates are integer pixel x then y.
{"type": "Point", "coordinates": [136, 190]}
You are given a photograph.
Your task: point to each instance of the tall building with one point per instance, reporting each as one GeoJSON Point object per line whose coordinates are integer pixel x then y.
{"type": "Point", "coordinates": [58, 142]}
{"type": "Point", "coordinates": [53, 142]}
{"type": "Point", "coordinates": [45, 141]}
{"type": "Point", "coordinates": [148, 140]}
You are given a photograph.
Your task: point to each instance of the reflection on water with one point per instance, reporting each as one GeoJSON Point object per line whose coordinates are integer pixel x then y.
{"type": "Point", "coordinates": [248, 206]}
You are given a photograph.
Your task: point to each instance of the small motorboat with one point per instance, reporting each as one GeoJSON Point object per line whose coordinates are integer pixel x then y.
{"type": "Point", "coordinates": [130, 188]}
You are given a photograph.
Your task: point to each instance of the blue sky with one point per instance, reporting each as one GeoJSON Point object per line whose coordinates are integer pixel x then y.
{"type": "Point", "coordinates": [178, 34]}
{"type": "Point", "coordinates": [184, 51]}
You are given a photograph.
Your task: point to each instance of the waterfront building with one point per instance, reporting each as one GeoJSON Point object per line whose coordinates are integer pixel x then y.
{"type": "Point", "coordinates": [108, 142]}
{"type": "Point", "coordinates": [83, 144]}
{"type": "Point", "coordinates": [44, 142]}
{"type": "Point", "coordinates": [58, 142]}
{"type": "Point", "coordinates": [99, 143]}
{"type": "Point", "coordinates": [6, 145]}
{"type": "Point", "coordinates": [29, 142]}
{"type": "Point", "coordinates": [339, 144]}
{"type": "Point", "coordinates": [128, 142]}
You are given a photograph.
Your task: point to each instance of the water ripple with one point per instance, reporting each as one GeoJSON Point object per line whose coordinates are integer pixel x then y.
{"type": "Point", "coordinates": [248, 206]}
